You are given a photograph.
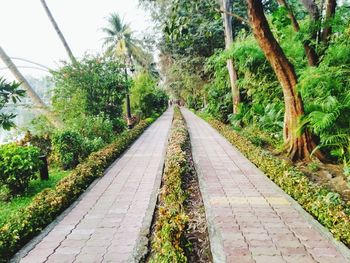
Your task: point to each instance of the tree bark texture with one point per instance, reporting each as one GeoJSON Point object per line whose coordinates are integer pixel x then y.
{"type": "Point", "coordinates": [310, 52]}
{"type": "Point", "coordinates": [299, 145]}
{"type": "Point", "coordinates": [29, 90]}
{"type": "Point", "coordinates": [227, 20]}
{"type": "Point", "coordinates": [330, 11]}
{"type": "Point", "coordinates": [58, 31]}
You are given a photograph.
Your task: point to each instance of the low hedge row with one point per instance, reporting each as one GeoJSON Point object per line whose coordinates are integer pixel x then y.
{"type": "Point", "coordinates": [168, 240]}
{"type": "Point", "coordinates": [49, 203]}
{"type": "Point", "coordinates": [326, 206]}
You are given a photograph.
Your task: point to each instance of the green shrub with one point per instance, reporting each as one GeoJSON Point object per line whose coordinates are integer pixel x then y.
{"type": "Point", "coordinates": [168, 243]}
{"type": "Point", "coordinates": [93, 127]}
{"type": "Point", "coordinates": [146, 98]}
{"type": "Point", "coordinates": [18, 165]}
{"type": "Point", "coordinates": [68, 147]}
{"type": "Point", "coordinates": [327, 207]}
{"type": "Point", "coordinates": [48, 204]}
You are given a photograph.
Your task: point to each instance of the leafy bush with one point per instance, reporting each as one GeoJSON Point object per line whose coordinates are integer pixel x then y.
{"type": "Point", "coordinates": [90, 87]}
{"type": "Point", "coordinates": [326, 92]}
{"type": "Point", "coordinates": [327, 207]}
{"type": "Point", "coordinates": [146, 99]}
{"type": "Point", "coordinates": [68, 148]}
{"type": "Point", "coordinates": [168, 243]}
{"type": "Point", "coordinates": [18, 165]}
{"type": "Point", "coordinates": [99, 126]}
{"type": "Point", "coordinates": [51, 202]}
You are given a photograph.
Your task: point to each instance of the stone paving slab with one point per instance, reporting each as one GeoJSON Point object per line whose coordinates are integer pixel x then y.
{"type": "Point", "coordinates": [250, 219]}
{"type": "Point", "coordinates": [111, 221]}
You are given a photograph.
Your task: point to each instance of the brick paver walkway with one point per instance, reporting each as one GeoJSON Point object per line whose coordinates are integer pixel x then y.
{"type": "Point", "coordinates": [249, 218]}
{"type": "Point", "coordinates": [111, 221]}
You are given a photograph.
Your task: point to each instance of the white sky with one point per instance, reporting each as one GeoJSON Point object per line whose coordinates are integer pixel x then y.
{"type": "Point", "coordinates": [26, 32]}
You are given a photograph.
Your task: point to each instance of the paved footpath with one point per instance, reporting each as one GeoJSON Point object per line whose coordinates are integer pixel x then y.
{"type": "Point", "coordinates": [250, 219]}
{"type": "Point", "coordinates": [111, 221]}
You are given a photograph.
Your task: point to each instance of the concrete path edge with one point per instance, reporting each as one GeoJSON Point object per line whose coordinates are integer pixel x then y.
{"type": "Point", "coordinates": [141, 248]}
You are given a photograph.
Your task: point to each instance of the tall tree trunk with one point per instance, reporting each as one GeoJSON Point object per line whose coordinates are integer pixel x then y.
{"type": "Point", "coordinates": [29, 90]}
{"type": "Point", "coordinates": [312, 8]}
{"type": "Point", "coordinates": [227, 20]}
{"type": "Point", "coordinates": [58, 31]}
{"type": "Point", "coordinates": [330, 11]}
{"type": "Point", "coordinates": [299, 145]}
{"type": "Point", "coordinates": [310, 52]}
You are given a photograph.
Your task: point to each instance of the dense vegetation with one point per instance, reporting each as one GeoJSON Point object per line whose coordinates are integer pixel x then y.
{"type": "Point", "coordinates": [312, 50]}
{"type": "Point", "coordinates": [169, 243]}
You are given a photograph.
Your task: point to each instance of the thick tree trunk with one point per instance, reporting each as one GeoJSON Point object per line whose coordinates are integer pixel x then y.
{"type": "Point", "coordinates": [330, 11]}
{"type": "Point", "coordinates": [29, 90]}
{"type": "Point", "coordinates": [58, 31]}
{"type": "Point", "coordinates": [227, 19]}
{"type": "Point", "coordinates": [301, 145]}
{"type": "Point", "coordinates": [310, 52]}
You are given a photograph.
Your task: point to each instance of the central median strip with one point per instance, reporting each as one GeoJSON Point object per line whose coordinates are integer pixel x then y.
{"type": "Point", "coordinates": [179, 228]}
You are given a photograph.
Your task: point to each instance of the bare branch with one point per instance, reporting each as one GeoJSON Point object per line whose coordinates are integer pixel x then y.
{"type": "Point", "coordinates": [233, 15]}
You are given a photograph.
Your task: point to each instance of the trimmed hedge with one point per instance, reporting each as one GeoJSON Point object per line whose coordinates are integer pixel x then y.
{"type": "Point", "coordinates": [49, 203]}
{"type": "Point", "coordinates": [326, 206]}
{"type": "Point", "coordinates": [168, 241]}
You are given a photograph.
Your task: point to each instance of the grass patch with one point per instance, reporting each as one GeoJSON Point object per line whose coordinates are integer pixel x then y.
{"type": "Point", "coordinates": [8, 208]}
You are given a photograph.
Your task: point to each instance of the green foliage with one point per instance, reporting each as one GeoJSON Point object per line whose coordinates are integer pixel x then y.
{"type": "Point", "coordinates": [218, 90]}
{"type": "Point", "coordinates": [97, 127]}
{"type": "Point", "coordinates": [121, 43]}
{"type": "Point", "coordinates": [192, 28]}
{"type": "Point", "coordinates": [146, 98]}
{"type": "Point", "coordinates": [9, 208]}
{"type": "Point", "coordinates": [327, 207]}
{"type": "Point", "coordinates": [94, 86]}
{"type": "Point", "coordinates": [51, 202]}
{"type": "Point", "coordinates": [326, 92]}
{"type": "Point", "coordinates": [68, 148]}
{"type": "Point", "coordinates": [186, 80]}
{"type": "Point", "coordinates": [18, 165]}
{"type": "Point", "coordinates": [168, 242]}
{"type": "Point", "coordinates": [9, 92]}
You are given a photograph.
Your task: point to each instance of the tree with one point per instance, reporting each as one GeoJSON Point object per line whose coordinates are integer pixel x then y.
{"type": "Point", "coordinates": [310, 51]}
{"type": "Point", "coordinates": [58, 31]}
{"type": "Point", "coordinates": [8, 92]}
{"type": "Point", "coordinates": [330, 11]}
{"type": "Point", "coordinates": [227, 20]}
{"type": "Point", "coordinates": [93, 86]}
{"type": "Point", "coordinates": [120, 42]}
{"type": "Point", "coordinates": [299, 144]}
{"type": "Point", "coordinates": [29, 90]}
{"type": "Point", "coordinates": [312, 8]}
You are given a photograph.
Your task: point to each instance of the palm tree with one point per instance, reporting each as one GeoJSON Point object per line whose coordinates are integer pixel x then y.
{"type": "Point", "coordinates": [58, 31]}
{"type": "Point", "coordinates": [29, 90]}
{"type": "Point", "coordinates": [120, 42]}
